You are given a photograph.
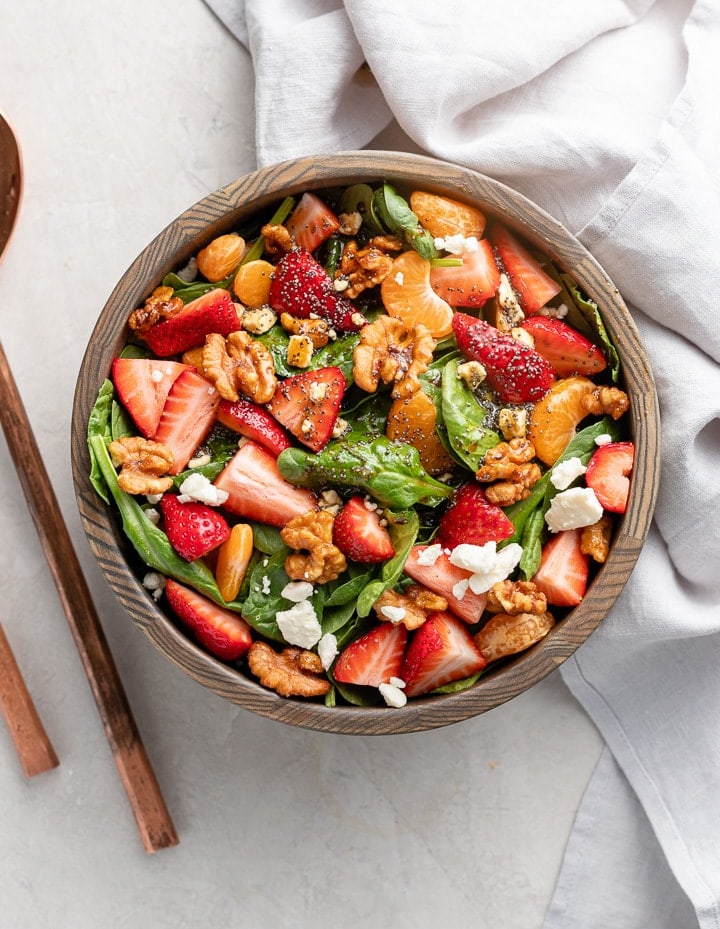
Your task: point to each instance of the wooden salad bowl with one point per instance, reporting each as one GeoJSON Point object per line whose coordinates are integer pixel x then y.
{"type": "Point", "coordinates": [223, 211]}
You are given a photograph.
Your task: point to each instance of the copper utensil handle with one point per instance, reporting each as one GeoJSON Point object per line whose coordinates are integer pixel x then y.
{"type": "Point", "coordinates": [33, 746]}
{"type": "Point", "coordinates": [156, 827]}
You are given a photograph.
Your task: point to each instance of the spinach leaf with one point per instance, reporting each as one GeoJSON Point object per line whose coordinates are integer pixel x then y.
{"type": "Point", "coordinates": [455, 687]}
{"type": "Point", "coordinates": [267, 539]}
{"type": "Point", "coordinates": [403, 531]}
{"type": "Point", "coordinates": [463, 417]}
{"type": "Point", "coordinates": [264, 598]}
{"type": "Point", "coordinates": [339, 354]}
{"type": "Point", "coordinates": [395, 213]}
{"type": "Point", "coordinates": [591, 313]}
{"type": "Point", "coordinates": [99, 426]}
{"type": "Point", "coordinates": [532, 537]}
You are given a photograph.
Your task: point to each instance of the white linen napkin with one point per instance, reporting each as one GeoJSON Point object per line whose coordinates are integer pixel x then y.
{"type": "Point", "coordinates": [604, 112]}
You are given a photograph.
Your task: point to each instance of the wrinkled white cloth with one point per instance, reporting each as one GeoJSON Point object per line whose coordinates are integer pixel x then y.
{"type": "Point", "coordinates": [604, 112]}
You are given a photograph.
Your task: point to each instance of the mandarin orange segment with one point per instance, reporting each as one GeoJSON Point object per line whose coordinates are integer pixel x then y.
{"type": "Point", "coordinates": [412, 420]}
{"type": "Point", "coordinates": [252, 282]}
{"type": "Point", "coordinates": [442, 216]}
{"type": "Point", "coordinates": [232, 561]}
{"type": "Point", "coordinates": [408, 296]}
{"type": "Point", "coordinates": [555, 417]}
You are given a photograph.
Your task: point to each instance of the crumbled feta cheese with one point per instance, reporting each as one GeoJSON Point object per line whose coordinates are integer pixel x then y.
{"type": "Point", "coordinates": [512, 422]}
{"type": "Point", "coordinates": [198, 487]}
{"type": "Point", "coordinates": [157, 375]}
{"type": "Point", "coordinates": [358, 319]}
{"type": "Point", "coordinates": [299, 625]}
{"type": "Point", "coordinates": [340, 284]}
{"type": "Point", "coordinates": [486, 564]}
{"type": "Point", "coordinates": [561, 311]}
{"type": "Point", "coordinates": [573, 509]}
{"type": "Point", "coordinates": [564, 473]}
{"type": "Point", "coordinates": [430, 555]}
{"type": "Point", "coordinates": [522, 335]}
{"type": "Point", "coordinates": [153, 515]}
{"type": "Point", "coordinates": [370, 504]}
{"type": "Point", "coordinates": [603, 439]}
{"type": "Point", "coordinates": [473, 373]}
{"type": "Point", "coordinates": [459, 589]}
{"type": "Point", "coordinates": [199, 461]}
{"type": "Point", "coordinates": [396, 614]}
{"type": "Point", "coordinates": [152, 499]}
{"type": "Point", "coordinates": [154, 583]}
{"type": "Point", "coordinates": [317, 391]}
{"type": "Point", "coordinates": [306, 426]}
{"type": "Point", "coordinates": [297, 591]}
{"type": "Point", "coordinates": [397, 682]}
{"type": "Point", "coordinates": [266, 585]}
{"type": "Point", "coordinates": [392, 695]}
{"type": "Point", "coordinates": [327, 649]}
{"type": "Point", "coordinates": [457, 244]}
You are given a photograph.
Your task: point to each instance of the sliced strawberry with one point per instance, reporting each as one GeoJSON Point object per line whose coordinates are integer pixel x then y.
{"type": "Point", "coordinates": [301, 287]}
{"type": "Point", "coordinates": [442, 577]}
{"type": "Point", "coordinates": [473, 519]}
{"type": "Point", "coordinates": [534, 287]}
{"type": "Point", "coordinates": [142, 385]}
{"type": "Point", "coordinates": [257, 491]}
{"type": "Point", "coordinates": [441, 651]}
{"type": "Point", "coordinates": [222, 632]}
{"type": "Point", "coordinates": [563, 572]}
{"type": "Point", "coordinates": [516, 372]}
{"type": "Point", "coordinates": [607, 474]}
{"type": "Point", "coordinates": [193, 529]}
{"type": "Point", "coordinates": [213, 312]}
{"type": "Point", "coordinates": [254, 422]}
{"type": "Point", "coordinates": [373, 658]}
{"type": "Point", "coordinates": [357, 532]}
{"type": "Point", "coordinates": [567, 350]}
{"type": "Point", "coordinates": [472, 283]}
{"type": "Point", "coordinates": [308, 404]}
{"type": "Point", "coordinates": [187, 417]}
{"type": "Point", "coordinates": [311, 222]}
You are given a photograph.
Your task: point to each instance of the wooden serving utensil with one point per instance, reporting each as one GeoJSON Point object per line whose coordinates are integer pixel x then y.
{"type": "Point", "coordinates": [151, 814]}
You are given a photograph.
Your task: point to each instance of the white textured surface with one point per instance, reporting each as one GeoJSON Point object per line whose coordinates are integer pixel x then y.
{"type": "Point", "coordinates": [128, 113]}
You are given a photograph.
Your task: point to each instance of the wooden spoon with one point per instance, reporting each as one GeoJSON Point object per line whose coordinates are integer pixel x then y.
{"type": "Point", "coordinates": [154, 823]}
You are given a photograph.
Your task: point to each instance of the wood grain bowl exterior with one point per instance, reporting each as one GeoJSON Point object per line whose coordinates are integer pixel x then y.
{"type": "Point", "coordinates": [224, 210]}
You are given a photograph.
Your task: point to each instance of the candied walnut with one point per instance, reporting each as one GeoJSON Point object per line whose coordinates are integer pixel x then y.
{"type": "Point", "coordinates": [510, 465]}
{"type": "Point", "coordinates": [516, 597]}
{"type": "Point", "coordinates": [610, 401]}
{"type": "Point", "coordinates": [220, 258]}
{"type": "Point", "coordinates": [239, 365]}
{"type": "Point", "coordinates": [595, 539]}
{"type": "Point", "coordinates": [144, 465]}
{"type": "Point", "coordinates": [317, 330]}
{"type": "Point", "coordinates": [391, 352]}
{"type": "Point", "coordinates": [293, 672]}
{"type": "Point", "coordinates": [159, 305]}
{"type": "Point", "coordinates": [316, 560]}
{"type": "Point", "coordinates": [366, 267]}
{"type": "Point", "coordinates": [510, 633]}
{"type": "Point", "coordinates": [278, 240]}
{"type": "Point", "coordinates": [411, 608]}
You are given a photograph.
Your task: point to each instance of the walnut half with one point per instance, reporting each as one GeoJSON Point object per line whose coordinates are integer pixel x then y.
{"type": "Point", "coordinates": [316, 559]}
{"type": "Point", "coordinates": [509, 633]}
{"type": "Point", "coordinates": [392, 353]}
{"type": "Point", "coordinates": [293, 672]}
{"type": "Point", "coordinates": [143, 464]}
{"type": "Point", "coordinates": [239, 365]}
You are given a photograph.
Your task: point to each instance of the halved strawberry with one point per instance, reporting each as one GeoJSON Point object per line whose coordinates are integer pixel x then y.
{"type": "Point", "coordinates": [472, 283]}
{"type": "Point", "coordinates": [534, 287]}
{"type": "Point", "coordinates": [222, 632]}
{"type": "Point", "coordinates": [567, 350]}
{"type": "Point", "coordinates": [516, 372]}
{"type": "Point", "coordinates": [193, 529]}
{"type": "Point", "coordinates": [311, 222]}
{"type": "Point", "coordinates": [473, 519]}
{"type": "Point", "coordinates": [187, 417]}
{"type": "Point", "coordinates": [213, 312]}
{"type": "Point", "coordinates": [254, 422]}
{"type": "Point", "coordinates": [302, 287]}
{"type": "Point", "coordinates": [440, 651]}
{"type": "Point", "coordinates": [442, 577]}
{"type": "Point", "coordinates": [257, 491]}
{"type": "Point", "coordinates": [607, 474]}
{"type": "Point", "coordinates": [308, 404]}
{"type": "Point", "coordinates": [563, 572]}
{"type": "Point", "coordinates": [358, 534]}
{"type": "Point", "coordinates": [142, 386]}
{"type": "Point", "coordinates": [373, 658]}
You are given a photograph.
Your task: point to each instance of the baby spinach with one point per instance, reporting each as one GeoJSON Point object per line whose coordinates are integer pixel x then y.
{"type": "Point", "coordinates": [463, 418]}
{"type": "Point", "coordinates": [590, 312]}
{"type": "Point", "coordinates": [99, 427]}
{"type": "Point", "coordinates": [395, 213]}
{"type": "Point", "coordinates": [403, 529]}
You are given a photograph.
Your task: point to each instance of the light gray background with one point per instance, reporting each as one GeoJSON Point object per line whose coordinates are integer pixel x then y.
{"type": "Point", "coordinates": [128, 113]}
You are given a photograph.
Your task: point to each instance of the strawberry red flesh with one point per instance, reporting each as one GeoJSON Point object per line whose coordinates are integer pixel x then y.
{"type": "Point", "coordinates": [516, 372]}
{"type": "Point", "coordinates": [567, 350]}
{"type": "Point", "coordinates": [442, 577]}
{"type": "Point", "coordinates": [359, 535]}
{"type": "Point", "coordinates": [193, 529]}
{"type": "Point", "coordinates": [373, 658]}
{"type": "Point", "coordinates": [258, 491]}
{"type": "Point", "coordinates": [472, 283]}
{"type": "Point", "coordinates": [441, 651]}
{"type": "Point", "coordinates": [301, 287]}
{"type": "Point", "coordinates": [212, 312]}
{"type": "Point", "coordinates": [187, 417]}
{"type": "Point", "coordinates": [308, 404]}
{"type": "Point", "coordinates": [563, 572]}
{"type": "Point", "coordinates": [222, 632]}
{"type": "Point", "coordinates": [534, 287]}
{"type": "Point", "coordinates": [473, 519]}
{"type": "Point", "coordinates": [142, 386]}
{"type": "Point", "coordinates": [608, 474]}
{"type": "Point", "coordinates": [253, 422]}
{"type": "Point", "coordinates": [311, 222]}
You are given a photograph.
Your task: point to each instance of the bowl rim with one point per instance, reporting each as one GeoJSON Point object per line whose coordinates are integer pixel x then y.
{"type": "Point", "coordinates": [219, 212]}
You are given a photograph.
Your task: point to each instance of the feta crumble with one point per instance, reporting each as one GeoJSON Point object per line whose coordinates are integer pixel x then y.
{"type": "Point", "coordinates": [197, 487]}
{"type": "Point", "coordinates": [154, 583]}
{"type": "Point", "coordinates": [297, 591]}
{"type": "Point", "coordinates": [456, 244]}
{"type": "Point", "coordinates": [430, 555]}
{"type": "Point", "coordinates": [573, 509]}
{"type": "Point", "coordinates": [564, 473]}
{"type": "Point", "coordinates": [327, 649]}
{"type": "Point", "coordinates": [266, 585]}
{"type": "Point", "coordinates": [460, 588]}
{"type": "Point", "coordinates": [396, 614]}
{"type": "Point", "coordinates": [157, 375]}
{"type": "Point", "coordinates": [487, 565]}
{"type": "Point", "coordinates": [392, 695]}
{"type": "Point", "coordinates": [603, 439]}
{"type": "Point", "coordinates": [299, 625]}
